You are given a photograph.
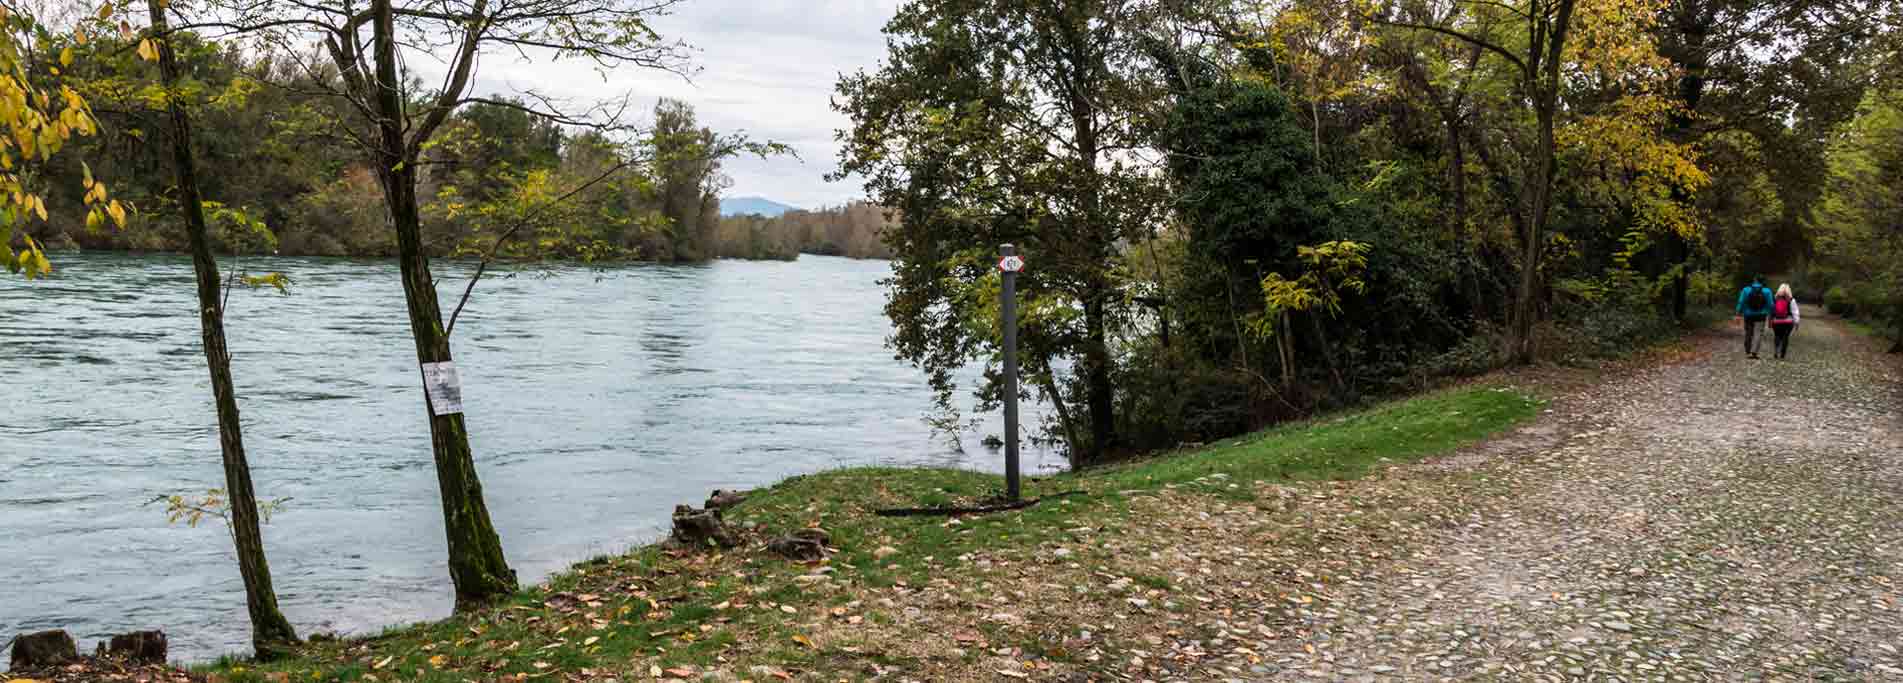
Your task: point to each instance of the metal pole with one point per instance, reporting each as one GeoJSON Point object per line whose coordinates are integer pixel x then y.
{"type": "Point", "coordinates": [1009, 307]}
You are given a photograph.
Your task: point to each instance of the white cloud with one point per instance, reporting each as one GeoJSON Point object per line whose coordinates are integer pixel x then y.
{"type": "Point", "coordinates": [766, 67]}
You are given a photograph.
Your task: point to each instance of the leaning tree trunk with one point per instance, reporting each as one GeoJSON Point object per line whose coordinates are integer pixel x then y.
{"type": "Point", "coordinates": [271, 633]}
{"type": "Point", "coordinates": [476, 563]}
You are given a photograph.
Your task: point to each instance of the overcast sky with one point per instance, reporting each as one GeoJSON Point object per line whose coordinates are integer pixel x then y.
{"type": "Point", "coordinates": [767, 67]}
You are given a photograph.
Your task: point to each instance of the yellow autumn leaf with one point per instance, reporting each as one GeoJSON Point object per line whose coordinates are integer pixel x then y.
{"type": "Point", "coordinates": [148, 51]}
{"type": "Point", "coordinates": [66, 57]}
{"type": "Point", "coordinates": [438, 661]}
{"type": "Point", "coordinates": [803, 640]}
{"type": "Point", "coordinates": [105, 11]}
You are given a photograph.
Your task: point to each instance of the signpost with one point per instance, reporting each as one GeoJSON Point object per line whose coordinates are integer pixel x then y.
{"type": "Point", "coordinates": [1009, 264]}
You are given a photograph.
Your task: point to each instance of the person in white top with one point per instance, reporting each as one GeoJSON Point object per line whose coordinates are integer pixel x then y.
{"type": "Point", "coordinates": [1784, 319]}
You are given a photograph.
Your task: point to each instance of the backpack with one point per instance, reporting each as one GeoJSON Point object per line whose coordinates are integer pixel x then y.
{"type": "Point", "coordinates": [1754, 300]}
{"type": "Point", "coordinates": [1781, 312]}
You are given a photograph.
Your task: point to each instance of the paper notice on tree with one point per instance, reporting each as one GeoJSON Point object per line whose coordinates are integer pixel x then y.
{"type": "Point", "coordinates": [444, 388]}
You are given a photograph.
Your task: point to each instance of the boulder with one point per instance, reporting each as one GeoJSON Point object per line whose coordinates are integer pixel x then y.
{"type": "Point", "coordinates": [139, 647]}
{"type": "Point", "coordinates": [721, 500]}
{"type": "Point", "coordinates": [43, 649]}
{"type": "Point", "coordinates": [699, 529]}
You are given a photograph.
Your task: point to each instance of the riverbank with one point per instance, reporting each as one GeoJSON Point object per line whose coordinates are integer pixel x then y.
{"type": "Point", "coordinates": [921, 598]}
{"type": "Point", "coordinates": [1158, 567]}
{"type": "Point", "coordinates": [1650, 521]}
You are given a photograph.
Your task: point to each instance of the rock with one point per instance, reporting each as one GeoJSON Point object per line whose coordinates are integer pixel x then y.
{"type": "Point", "coordinates": [43, 649]}
{"type": "Point", "coordinates": [722, 499]}
{"type": "Point", "coordinates": [139, 647]}
{"type": "Point", "coordinates": [796, 548]}
{"type": "Point", "coordinates": [699, 529]}
{"type": "Point", "coordinates": [884, 551]}
{"type": "Point", "coordinates": [1619, 626]}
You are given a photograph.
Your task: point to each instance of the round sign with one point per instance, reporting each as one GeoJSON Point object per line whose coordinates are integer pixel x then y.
{"type": "Point", "coordinates": [1011, 264]}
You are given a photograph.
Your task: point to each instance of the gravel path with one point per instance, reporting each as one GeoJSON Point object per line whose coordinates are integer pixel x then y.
{"type": "Point", "coordinates": [1718, 519]}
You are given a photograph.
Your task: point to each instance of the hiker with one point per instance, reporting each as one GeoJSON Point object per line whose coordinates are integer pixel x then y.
{"type": "Point", "coordinates": [1784, 319]}
{"type": "Point", "coordinates": [1754, 306]}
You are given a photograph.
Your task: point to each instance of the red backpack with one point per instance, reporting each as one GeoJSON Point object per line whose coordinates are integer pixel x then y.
{"type": "Point", "coordinates": [1781, 311]}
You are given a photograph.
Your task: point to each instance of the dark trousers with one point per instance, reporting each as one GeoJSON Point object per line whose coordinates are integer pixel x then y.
{"type": "Point", "coordinates": [1753, 331]}
{"type": "Point", "coordinates": [1783, 333]}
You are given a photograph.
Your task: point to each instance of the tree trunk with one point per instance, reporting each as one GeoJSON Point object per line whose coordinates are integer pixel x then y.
{"type": "Point", "coordinates": [271, 633]}
{"type": "Point", "coordinates": [1525, 300]}
{"type": "Point", "coordinates": [1098, 391]}
{"type": "Point", "coordinates": [1285, 345]}
{"type": "Point", "coordinates": [1328, 356]}
{"type": "Point", "coordinates": [476, 563]}
{"type": "Point", "coordinates": [1693, 60]}
{"type": "Point", "coordinates": [1543, 75]}
{"type": "Point", "coordinates": [1049, 384]}
{"type": "Point", "coordinates": [1897, 347]}
{"type": "Point", "coordinates": [1682, 281]}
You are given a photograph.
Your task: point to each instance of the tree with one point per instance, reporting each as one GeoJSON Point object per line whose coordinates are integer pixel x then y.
{"type": "Point", "coordinates": [688, 180]}
{"type": "Point", "coordinates": [1774, 71]}
{"type": "Point", "coordinates": [1556, 41]}
{"type": "Point", "coordinates": [271, 633]}
{"type": "Point", "coordinates": [1859, 238]}
{"type": "Point", "coordinates": [394, 125]}
{"type": "Point", "coordinates": [37, 125]}
{"type": "Point", "coordinates": [1007, 121]}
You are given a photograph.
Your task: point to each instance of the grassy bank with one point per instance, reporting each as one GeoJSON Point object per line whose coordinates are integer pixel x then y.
{"type": "Point", "coordinates": [746, 614]}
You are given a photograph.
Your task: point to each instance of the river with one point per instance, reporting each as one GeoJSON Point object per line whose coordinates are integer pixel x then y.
{"type": "Point", "coordinates": [597, 399]}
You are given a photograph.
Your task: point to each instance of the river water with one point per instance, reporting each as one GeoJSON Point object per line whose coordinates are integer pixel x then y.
{"type": "Point", "coordinates": [596, 401]}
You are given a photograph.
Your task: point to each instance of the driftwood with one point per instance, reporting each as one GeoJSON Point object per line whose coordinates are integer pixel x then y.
{"type": "Point", "coordinates": [972, 510]}
{"type": "Point", "coordinates": [43, 649]}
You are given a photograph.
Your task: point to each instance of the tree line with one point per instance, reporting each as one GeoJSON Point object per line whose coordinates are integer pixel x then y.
{"type": "Point", "coordinates": [299, 190]}
{"type": "Point", "coordinates": [854, 230]}
{"type": "Point", "coordinates": [1236, 212]}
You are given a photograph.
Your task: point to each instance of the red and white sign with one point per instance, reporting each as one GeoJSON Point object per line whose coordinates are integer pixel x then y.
{"type": "Point", "coordinates": [1011, 264]}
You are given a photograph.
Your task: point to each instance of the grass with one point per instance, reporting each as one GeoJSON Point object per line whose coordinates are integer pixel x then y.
{"type": "Point", "coordinates": [652, 610]}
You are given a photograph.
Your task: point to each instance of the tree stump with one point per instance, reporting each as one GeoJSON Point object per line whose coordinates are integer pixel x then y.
{"type": "Point", "coordinates": [721, 500]}
{"type": "Point", "coordinates": [139, 647]}
{"type": "Point", "coordinates": [43, 649]}
{"type": "Point", "coordinates": [699, 529]}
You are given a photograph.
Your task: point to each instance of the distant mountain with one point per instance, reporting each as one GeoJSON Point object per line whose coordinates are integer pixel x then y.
{"type": "Point", "coordinates": [737, 206]}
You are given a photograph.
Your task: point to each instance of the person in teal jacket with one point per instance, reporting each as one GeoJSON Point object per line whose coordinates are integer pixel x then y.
{"type": "Point", "coordinates": [1754, 306]}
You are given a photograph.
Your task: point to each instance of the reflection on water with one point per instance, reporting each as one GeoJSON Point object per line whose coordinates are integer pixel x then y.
{"type": "Point", "coordinates": [596, 401]}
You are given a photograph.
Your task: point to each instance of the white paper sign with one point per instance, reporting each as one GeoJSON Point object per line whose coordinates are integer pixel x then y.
{"type": "Point", "coordinates": [1011, 264]}
{"type": "Point", "coordinates": [444, 388]}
